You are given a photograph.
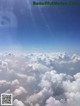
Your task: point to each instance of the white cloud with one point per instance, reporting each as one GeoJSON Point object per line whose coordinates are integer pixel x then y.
{"type": "Point", "coordinates": [4, 82]}
{"type": "Point", "coordinates": [41, 79]}
{"type": "Point", "coordinates": [53, 102]}
{"type": "Point", "coordinates": [19, 91]}
{"type": "Point", "coordinates": [39, 97]}
{"type": "Point", "coordinates": [15, 82]}
{"type": "Point", "coordinates": [18, 103]}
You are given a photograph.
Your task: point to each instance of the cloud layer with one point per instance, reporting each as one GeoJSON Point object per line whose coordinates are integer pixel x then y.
{"type": "Point", "coordinates": [41, 79]}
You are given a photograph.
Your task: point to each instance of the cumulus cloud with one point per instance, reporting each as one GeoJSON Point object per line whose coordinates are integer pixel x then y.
{"type": "Point", "coordinates": [41, 79]}
{"type": "Point", "coordinates": [40, 97]}
{"type": "Point", "coordinates": [18, 103]}
{"type": "Point", "coordinates": [19, 91]}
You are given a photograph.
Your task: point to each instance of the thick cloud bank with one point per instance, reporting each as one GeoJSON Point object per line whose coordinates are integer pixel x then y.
{"type": "Point", "coordinates": [41, 79]}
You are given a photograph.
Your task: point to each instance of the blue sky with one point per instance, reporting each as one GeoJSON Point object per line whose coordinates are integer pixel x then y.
{"type": "Point", "coordinates": [42, 27]}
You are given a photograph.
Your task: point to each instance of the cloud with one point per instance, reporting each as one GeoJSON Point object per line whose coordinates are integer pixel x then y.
{"type": "Point", "coordinates": [19, 91]}
{"type": "Point", "coordinates": [40, 97]}
{"type": "Point", "coordinates": [15, 82]}
{"type": "Point", "coordinates": [18, 103]}
{"type": "Point", "coordinates": [3, 82]}
{"type": "Point", "coordinates": [41, 79]}
{"type": "Point", "coordinates": [8, 18]}
{"type": "Point", "coordinates": [53, 102]}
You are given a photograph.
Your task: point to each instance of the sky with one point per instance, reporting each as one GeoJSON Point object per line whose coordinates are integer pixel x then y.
{"type": "Point", "coordinates": [39, 78]}
{"type": "Point", "coordinates": [26, 26]}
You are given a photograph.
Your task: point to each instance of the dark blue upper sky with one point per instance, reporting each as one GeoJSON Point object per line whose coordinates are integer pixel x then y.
{"type": "Point", "coordinates": [42, 27]}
